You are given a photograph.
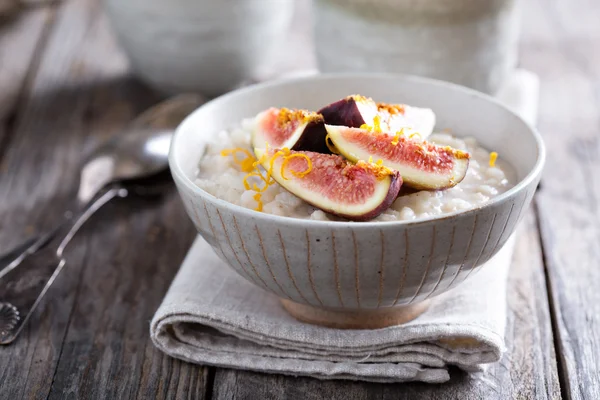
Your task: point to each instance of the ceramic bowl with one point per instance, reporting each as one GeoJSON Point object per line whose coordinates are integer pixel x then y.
{"type": "Point", "coordinates": [359, 274]}
{"type": "Point", "coordinates": [470, 42]}
{"type": "Point", "coordinates": [200, 45]}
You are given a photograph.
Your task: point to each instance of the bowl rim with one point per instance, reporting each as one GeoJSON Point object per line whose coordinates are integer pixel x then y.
{"type": "Point", "coordinates": [246, 212]}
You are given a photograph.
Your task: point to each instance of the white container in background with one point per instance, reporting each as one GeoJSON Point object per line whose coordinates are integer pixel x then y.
{"type": "Point", "coordinates": [209, 46]}
{"type": "Point", "coordinates": [470, 42]}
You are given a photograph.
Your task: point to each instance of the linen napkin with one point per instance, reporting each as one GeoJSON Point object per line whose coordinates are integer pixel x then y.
{"type": "Point", "coordinates": [212, 316]}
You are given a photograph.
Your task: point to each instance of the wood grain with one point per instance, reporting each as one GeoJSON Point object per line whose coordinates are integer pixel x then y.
{"type": "Point", "coordinates": [21, 42]}
{"type": "Point", "coordinates": [90, 337]}
{"type": "Point", "coordinates": [562, 44]}
{"type": "Point", "coordinates": [527, 370]}
{"type": "Point", "coordinates": [563, 47]}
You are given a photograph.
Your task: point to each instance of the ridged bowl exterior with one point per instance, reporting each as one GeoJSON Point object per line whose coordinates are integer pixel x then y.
{"type": "Point", "coordinates": [359, 265]}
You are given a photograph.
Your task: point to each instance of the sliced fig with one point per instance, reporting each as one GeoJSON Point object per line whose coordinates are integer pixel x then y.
{"type": "Point", "coordinates": [422, 165]}
{"type": "Point", "coordinates": [294, 129]}
{"type": "Point", "coordinates": [352, 111]}
{"type": "Point", "coordinates": [358, 192]}
{"type": "Point", "coordinates": [355, 111]}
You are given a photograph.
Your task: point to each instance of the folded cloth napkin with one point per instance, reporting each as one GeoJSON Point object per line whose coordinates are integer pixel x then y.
{"type": "Point", "coordinates": [212, 316]}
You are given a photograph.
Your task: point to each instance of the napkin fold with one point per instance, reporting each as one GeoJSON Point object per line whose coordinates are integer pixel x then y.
{"type": "Point", "coordinates": [212, 316]}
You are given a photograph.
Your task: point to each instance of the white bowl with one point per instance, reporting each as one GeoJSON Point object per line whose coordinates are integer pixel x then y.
{"type": "Point", "coordinates": [200, 45]}
{"type": "Point", "coordinates": [366, 274]}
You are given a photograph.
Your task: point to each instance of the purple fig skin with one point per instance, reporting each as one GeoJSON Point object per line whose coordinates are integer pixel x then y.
{"type": "Point", "coordinates": [313, 139]}
{"type": "Point", "coordinates": [343, 112]}
{"type": "Point", "coordinates": [395, 185]}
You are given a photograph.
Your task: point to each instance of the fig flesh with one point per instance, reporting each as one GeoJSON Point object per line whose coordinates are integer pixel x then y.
{"type": "Point", "coordinates": [294, 129]}
{"type": "Point", "coordinates": [358, 192]}
{"type": "Point", "coordinates": [422, 165]}
{"type": "Point", "coordinates": [355, 111]}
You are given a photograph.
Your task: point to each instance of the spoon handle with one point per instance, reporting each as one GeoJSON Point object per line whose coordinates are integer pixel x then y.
{"type": "Point", "coordinates": [13, 258]}
{"type": "Point", "coordinates": [22, 289]}
{"type": "Point", "coordinates": [88, 211]}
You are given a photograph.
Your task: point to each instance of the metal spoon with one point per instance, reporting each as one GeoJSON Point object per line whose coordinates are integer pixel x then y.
{"type": "Point", "coordinates": [140, 151]}
{"type": "Point", "coordinates": [133, 162]}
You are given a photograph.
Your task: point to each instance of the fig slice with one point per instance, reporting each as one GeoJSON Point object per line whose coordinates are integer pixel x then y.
{"type": "Point", "coordinates": [422, 165]}
{"type": "Point", "coordinates": [358, 192]}
{"type": "Point", "coordinates": [355, 111]}
{"type": "Point", "coordinates": [294, 129]}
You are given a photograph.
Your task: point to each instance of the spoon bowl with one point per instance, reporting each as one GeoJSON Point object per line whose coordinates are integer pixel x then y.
{"type": "Point", "coordinates": [134, 162]}
{"type": "Point", "coordinates": [140, 152]}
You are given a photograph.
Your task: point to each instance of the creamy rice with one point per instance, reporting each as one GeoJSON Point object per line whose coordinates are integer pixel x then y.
{"type": "Point", "coordinates": [222, 178]}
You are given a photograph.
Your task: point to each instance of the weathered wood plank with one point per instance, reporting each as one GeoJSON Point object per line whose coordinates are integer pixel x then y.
{"type": "Point", "coordinates": [565, 52]}
{"type": "Point", "coordinates": [527, 371]}
{"type": "Point", "coordinates": [21, 39]}
{"type": "Point", "coordinates": [21, 43]}
{"type": "Point", "coordinates": [129, 263]}
{"type": "Point", "coordinates": [90, 338]}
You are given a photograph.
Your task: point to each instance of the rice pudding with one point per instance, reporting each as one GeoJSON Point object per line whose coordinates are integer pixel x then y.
{"type": "Point", "coordinates": [222, 177]}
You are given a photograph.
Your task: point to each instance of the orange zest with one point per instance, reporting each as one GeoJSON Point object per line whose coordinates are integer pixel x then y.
{"type": "Point", "coordinates": [257, 197]}
{"type": "Point", "coordinates": [493, 158]}
{"type": "Point", "coordinates": [281, 152]}
{"type": "Point", "coordinates": [252, 166]}
{"type": "Point", "coordinates": [376, 125]}
{"type": "Point", "coordinates": [379, 162]}
{"type": "Point", "coordinates": [286, 116]}
{"type": "Point", "coordinates": [244, 163]}
{"type": "Point", "coordinates": [299, 174]}
{"type": "Point", "coordinates": [397, 136]}
{"type": "Point", "coordinates": [377, 169]}
{"type": "Point", "coordinates": [392, 109]}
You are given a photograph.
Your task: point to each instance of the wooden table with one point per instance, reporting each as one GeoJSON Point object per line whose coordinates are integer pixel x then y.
{"type": "Point", "coordinates": [65, 88]}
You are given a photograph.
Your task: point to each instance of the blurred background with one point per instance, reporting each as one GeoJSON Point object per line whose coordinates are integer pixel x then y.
{"type": "Point", "coordinates": [213, 47]}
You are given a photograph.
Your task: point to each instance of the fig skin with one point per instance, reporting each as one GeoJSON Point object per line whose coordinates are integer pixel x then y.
{"type": "Point", "coordinates": [354, 111]}
{"type": "Point", "coordinates": [387, 184]}
{"type": "Point", "coordinates": [393, 192]}
{"type": "Point", "coordinates": [445, 169]}
{"type": "Point", "coordinates": [311, 125]}
{"type": "Point", "coordinates": [347, 112]}
{"type": "Point", "coordinates": [313, 139]}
